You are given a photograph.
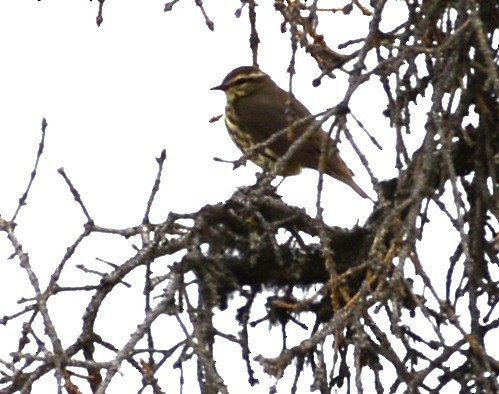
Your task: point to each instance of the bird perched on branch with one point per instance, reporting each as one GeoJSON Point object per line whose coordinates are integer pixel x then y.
{"type": "Point", "coordinates": [264, 121]}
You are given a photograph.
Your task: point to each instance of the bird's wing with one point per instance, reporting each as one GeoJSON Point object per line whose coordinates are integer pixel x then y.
{"type": "Point", "coordinates": [265, 114]}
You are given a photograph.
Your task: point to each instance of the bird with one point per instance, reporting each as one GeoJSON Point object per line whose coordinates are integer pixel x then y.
{"type": "Point", "coordinates": [258, 109]}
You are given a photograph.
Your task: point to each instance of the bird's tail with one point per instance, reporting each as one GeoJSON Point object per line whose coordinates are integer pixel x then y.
{"type": "Point", "coordinates": [336, 168]}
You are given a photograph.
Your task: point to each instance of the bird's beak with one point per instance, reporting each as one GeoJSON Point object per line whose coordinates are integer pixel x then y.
{"type": "Point", "coordinates": [219, 87]}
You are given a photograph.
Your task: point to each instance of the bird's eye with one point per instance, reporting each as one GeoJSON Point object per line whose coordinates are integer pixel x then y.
{"type": "Point", "coordinates": [241, 81]}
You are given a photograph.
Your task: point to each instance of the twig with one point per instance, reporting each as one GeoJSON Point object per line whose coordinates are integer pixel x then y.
{"type": "Point", "coordinates": [22, 200]}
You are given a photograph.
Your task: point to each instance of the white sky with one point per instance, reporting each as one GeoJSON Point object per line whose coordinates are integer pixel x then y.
{"type": "Point", "coordinates": [115, 96]}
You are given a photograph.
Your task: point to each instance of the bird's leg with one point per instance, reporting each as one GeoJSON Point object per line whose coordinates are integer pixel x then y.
{"type": "Point", "coordinates": [261, 175]}
{"type": "Point", "coordinates": [280, 182]}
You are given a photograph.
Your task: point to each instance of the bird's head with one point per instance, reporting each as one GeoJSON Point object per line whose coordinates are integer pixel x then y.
{"type": "Point", "coordinates": [243, 81]}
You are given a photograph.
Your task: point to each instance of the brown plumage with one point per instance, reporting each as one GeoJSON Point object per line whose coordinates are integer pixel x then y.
{"type": "Point", "coordinates": [257, 109]}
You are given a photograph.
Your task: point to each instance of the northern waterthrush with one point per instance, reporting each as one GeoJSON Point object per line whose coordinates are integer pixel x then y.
{"type": "Point", "coordinates": [257, 109]}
